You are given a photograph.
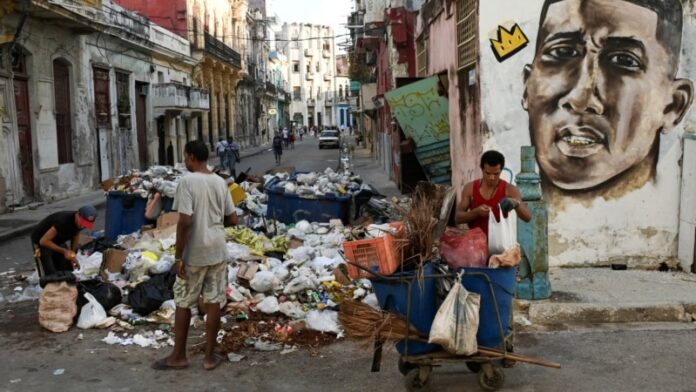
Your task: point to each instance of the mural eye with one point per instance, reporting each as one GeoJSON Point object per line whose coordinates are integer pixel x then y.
{"type": "Point", "coordinates": [624, 60]}
{"type": "Point", "coordinates": [563, 52]}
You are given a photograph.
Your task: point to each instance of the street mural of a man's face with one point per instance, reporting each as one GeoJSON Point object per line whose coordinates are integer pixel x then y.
{"type": "Point", "coordinates": [602, 87]}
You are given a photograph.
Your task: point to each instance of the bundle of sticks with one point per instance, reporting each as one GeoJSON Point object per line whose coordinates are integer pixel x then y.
{"type": "Point", "coordinates": [363, 322]}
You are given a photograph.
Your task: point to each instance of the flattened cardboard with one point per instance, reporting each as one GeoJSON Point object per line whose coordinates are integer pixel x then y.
{"type": "Point", "coordinates": [113, 261]}
{"type": "Point", "coordinates": [246, 273]}
{"type": "Point", "coordinates": [295, 243]}
{"type": "Point", "coordinates": [168, 219]}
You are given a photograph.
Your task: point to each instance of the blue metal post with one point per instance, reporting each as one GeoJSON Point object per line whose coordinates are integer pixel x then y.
{"type": "Point", "coordinates": [534, 280]}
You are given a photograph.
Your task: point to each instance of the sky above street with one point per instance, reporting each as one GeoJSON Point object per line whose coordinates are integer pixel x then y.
{"type": "Point", "coordinates": [328, 12]}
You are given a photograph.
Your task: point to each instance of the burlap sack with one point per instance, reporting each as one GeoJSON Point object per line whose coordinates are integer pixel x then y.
{"type": "Point", "coordinates": [57, 306]}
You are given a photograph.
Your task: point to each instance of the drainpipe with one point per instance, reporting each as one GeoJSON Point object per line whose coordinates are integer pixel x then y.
{"type": "Point", "coordinates": [534, 280]}
{"type": "Point", "coordinates": [3, 189]}
{"type": "Point", "coordinates": [687, 210]}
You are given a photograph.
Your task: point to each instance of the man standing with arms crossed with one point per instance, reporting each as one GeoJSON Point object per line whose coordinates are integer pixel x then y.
{"type": "Point", "coordinates": [205, 208]}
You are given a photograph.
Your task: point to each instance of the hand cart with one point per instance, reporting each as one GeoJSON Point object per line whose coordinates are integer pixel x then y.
{"type": "Point", "coordinates": [417, 368]}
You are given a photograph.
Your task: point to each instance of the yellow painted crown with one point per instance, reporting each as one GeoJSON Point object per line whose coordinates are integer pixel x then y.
{"type": "Point", "coordinates": [509, 42]}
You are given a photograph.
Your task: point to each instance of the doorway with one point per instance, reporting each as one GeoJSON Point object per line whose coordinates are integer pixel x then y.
{"type": "Point", "coordinates": [21, 95]}
{"type": "Point", "coordinates": [141, 122]}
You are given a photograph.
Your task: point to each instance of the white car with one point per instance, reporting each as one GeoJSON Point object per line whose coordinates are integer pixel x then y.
{"type": "Point", "coordinates": [330, 138]}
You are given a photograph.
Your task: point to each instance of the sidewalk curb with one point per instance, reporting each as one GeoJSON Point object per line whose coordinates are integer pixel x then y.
{"type": "Point", "coordinates": [25, 229]}
{"type": "Point", "coordinates": [563, 313]}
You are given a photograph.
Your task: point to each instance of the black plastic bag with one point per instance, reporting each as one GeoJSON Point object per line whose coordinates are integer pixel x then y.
{"type": "Point", "coordinates": [149, 295]}
{"type": "Point", "coordinates": [58, 276]}
{"type": "Point", "coordinates": [107, 294]}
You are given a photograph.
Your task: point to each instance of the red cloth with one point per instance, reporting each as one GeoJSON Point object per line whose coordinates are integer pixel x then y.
{"type": "Point", "coordinates": [478, 199]}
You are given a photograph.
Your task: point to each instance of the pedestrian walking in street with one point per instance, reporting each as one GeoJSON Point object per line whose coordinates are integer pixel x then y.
{"type": "Point", "coordinates": [232, 156]}
{"type": "Point", "coordinates": [50, 237]}
{"type": "Point", "coordinates": [291, 140]}
{"type": "Point", "coordinates": [277, 148]}
{"type": "Point", "coordinates": [205, 207]}
{"type": "Point", "coordinates": [286, 137]}
{"type": "Point", "coordinates": [221, 150]}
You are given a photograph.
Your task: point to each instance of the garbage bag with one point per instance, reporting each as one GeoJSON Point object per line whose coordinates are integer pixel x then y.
{"type": "Point", "coordinates": [467, 249]}
{"type": "Point", "coordinates": [108, 295]}
{"type": "Point", "coordinates": [269, 305]}
{"type": "Point", "coordinates": [501, 235]}
{"type": "Point", "coordinates": [89, 265]}
{"type": "Point", "coordinates": [91, 314]}
{"type": "Point", "coordinates": [264, 281]}
{"type": "Point", "coordinates": [457, 320]}
{"type": "Point", "coordinates": [57, 307]}
{"type": "Point", "coordinates": [292, 309]}
{"type": "Point", "coordinates": [149, 295]}
{"type": "Point", "coordinates": [324, 321]}
{"type": "Point", "coordinates": [510, 258]}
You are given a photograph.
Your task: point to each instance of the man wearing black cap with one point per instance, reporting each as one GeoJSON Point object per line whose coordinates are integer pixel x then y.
{"type": "Point", "coordinates": [51, 235]}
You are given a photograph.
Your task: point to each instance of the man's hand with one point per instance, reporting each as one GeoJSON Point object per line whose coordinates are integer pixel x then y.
{"type": "Point", "coordinates": [72, 258]}
{"type": "Point", "coordinates": [482, 210]}
{"type": "Point", "coordinates": [180, 269]}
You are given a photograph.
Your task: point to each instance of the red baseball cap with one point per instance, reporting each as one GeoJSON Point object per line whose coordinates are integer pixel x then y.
{"type": "Point", "coordinates": [86, 216]}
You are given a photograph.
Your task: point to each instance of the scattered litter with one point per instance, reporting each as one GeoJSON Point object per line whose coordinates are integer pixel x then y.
{"type": "Point", "coordinates": [521, 320]}
{"type": "Point", "coordinates": [58, 372]}
{"type": "Point", "coordinates": [232, 357]}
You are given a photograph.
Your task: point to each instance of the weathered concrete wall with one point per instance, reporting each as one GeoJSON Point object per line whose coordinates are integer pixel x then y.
{"type": "Point", "coordinates": [606, 122]}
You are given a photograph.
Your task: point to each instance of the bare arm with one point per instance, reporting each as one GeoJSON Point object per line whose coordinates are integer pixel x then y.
{"type": "Point", "coordinates": [231, 219]}
{"type": "Point", "coordinates": [183, 227]}
{"type": "Point", "coordinates": [463, 213]}
{"type": "Point", "coordinates": [74, 242]}
{"type": "Point", "coordinates": [47, 241]}
{"type": "Point", "coordinates": [522, 211]}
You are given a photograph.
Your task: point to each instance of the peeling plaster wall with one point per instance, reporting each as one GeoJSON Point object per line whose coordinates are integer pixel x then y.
{"type": "Point", "coordinates": [55, 181]}
{"type": "Point", "coordinates": [638, 226]}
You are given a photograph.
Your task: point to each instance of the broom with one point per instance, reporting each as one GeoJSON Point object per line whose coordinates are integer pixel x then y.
{"type": "Point", "coordinates": [363, 322]}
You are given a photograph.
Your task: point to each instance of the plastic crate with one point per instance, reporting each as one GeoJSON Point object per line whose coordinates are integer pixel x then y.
{"type": "Point", "coordinates": [291, 208]}
{"type": "Point", "coordinates": [375, 254]}
{"type": "Point", "coordinates": [393, 297]}
{"type": "Point", "coordinates": [125, 213]}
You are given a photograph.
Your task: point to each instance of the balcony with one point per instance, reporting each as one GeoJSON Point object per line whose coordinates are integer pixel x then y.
{"type": "Point", "coordinates": [311, 102]}
{"type": "Point", "coordinates": [271, 88]}
{"type": "Point", "coordinates": [170, 96]}
{"type": "Point", "coordinates": [224, 52]}
{"type": "Point", "coordinates": [199, 99]}
{"type": "Point", "coordinates": [326, 54]}
{"type": "Point", "coordinates": [308, 76]}
{"type": "Point", "coordinates": [353, 101]}
{"type": "Point", "coordinates": [328, 77]}
{"type": "Point", "coordinates": [308, 53]}
{"type": "Point", "coordinates": [329, 97]}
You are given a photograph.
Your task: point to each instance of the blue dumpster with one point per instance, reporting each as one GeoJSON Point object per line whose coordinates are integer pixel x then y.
{"type": "Point", "coordinates": [291, 208]}
{"type": "Point", "coordinates": [393, 297]}
{"type": "Point", "coordinates": [503, 282]}
{"type": "Point", "coordinates": [125, 213]}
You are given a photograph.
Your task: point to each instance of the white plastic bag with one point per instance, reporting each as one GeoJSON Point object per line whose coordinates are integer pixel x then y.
{"type": "Point", "coordinates": [264, 281]}
{"type": "Point", "coordinates": [323, 321]}
{"type": "Point", "coordinates": [269, 305]}
{"type": "Point", "coordinates": [89, 265]}
{"type": "Point", "coordinates": [457, 321]}
{"type": "Point", "coordinates": [92, 313]}
{"type": "Point", "coordinates": [501, 235]}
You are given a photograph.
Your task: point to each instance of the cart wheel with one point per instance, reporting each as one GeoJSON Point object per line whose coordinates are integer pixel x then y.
{"type": "Point", "coordinates": [405, 367]}
{"type": "Point", "coordinates": [492, 383]}
{"type": "Point", "coordinates": [414, 382]}
{"type": "Point", "coordinates": [475, 367]}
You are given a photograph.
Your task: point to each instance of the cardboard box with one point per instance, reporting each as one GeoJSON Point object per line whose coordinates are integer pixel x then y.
{"type": "Point", "coordinates": [168, 219]}
{"type": "Point", "coordinates": [295, 243]}
{"type": "Point", "coordinates": [246, 273]}
{"type": "Point", "coordinates": [113, 261]}
{"type": "Point", "coordinates": [283, 169]}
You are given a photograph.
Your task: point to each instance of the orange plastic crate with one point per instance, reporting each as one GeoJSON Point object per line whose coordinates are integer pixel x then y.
{"type": "Point", "coordinates": [375, 254]}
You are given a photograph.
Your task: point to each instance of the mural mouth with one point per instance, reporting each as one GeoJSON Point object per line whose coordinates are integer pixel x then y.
{"type": "Point", "coordinates": [580, 142]}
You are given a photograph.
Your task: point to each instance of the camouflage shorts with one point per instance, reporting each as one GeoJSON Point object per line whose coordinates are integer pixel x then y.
{"type": "Point", "coordinates": [209, 281]}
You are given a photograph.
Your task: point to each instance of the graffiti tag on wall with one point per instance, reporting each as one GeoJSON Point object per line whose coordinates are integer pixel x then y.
{"type": "Point", "coordinates": [508, 42]}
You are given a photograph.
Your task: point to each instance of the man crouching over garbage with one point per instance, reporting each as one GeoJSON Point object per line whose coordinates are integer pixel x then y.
{"type": "Point", "coordinates": [205, 207]}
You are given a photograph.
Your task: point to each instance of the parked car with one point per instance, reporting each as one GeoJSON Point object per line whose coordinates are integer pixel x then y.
{"type": "Point", "coordinates": [329, 138]}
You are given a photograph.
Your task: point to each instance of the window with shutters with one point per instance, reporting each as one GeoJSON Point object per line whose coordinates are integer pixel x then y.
{"type": "Point", "coordinates": [467, 19]}
{"type": "Point", "coordinates": [123, 105]}
{"type": "Point", "coordinates": [422, 56]}
{"type": "Point", "coordinates": [63, 110]}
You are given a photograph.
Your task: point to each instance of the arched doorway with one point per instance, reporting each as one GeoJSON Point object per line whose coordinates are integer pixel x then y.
{"type": "Point", "coordinates": [18, 59]}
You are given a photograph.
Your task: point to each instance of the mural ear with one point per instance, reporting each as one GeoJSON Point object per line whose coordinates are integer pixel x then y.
{"type": "Point", "coordinates": [525, 77]}
{"type": "Point", "coordinates": [682, 97]}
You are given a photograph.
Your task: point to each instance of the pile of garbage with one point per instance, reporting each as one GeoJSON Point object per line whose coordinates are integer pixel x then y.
{"type": "Point", "coordinates": [313, 184]}
{"type": "Point", "coordinates": [157, 178]}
